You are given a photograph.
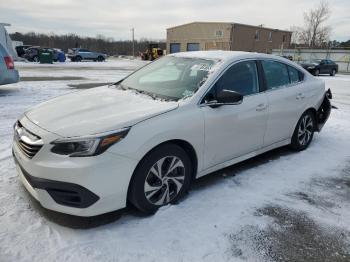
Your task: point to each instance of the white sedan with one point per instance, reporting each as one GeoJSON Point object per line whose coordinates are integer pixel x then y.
{"type": "Point", "coordinates": [146, 138]}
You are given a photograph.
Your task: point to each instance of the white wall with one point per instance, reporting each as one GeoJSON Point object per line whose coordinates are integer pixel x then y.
{"type": "Point", "coordinates": [341, 57]}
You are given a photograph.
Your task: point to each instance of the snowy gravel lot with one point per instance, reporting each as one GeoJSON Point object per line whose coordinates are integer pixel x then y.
{"type": "Point", "coordinates": [281, 206]}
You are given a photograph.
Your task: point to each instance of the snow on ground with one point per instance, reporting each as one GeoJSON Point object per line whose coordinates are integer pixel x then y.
{"type": "Point", "coordinates": [276, 207]}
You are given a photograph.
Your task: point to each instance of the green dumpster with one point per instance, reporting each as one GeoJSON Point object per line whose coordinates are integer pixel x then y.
{"type": "Point", "coordinates": [45, 57]}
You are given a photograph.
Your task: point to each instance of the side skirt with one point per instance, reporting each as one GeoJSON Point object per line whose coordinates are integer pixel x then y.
{"type": "Point", "coordinates": [243, 157]}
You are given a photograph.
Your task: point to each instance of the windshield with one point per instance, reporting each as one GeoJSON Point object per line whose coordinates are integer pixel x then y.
{"type": "Point", "coordinates": [170, 77]}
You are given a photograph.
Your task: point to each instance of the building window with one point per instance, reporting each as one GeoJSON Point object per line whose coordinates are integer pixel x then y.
{"type": "Point", "coordinates": [270, 36]}
{"type": "Point", "coordinates": [219, 33]}
{"type": "Point", "coordinates": [257, 35]}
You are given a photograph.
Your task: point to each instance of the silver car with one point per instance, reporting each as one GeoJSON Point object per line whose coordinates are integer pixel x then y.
{"type": "Point", "coordinates": [8, 73]}
{"type": "Point", "coordinates": [79, 54]}
{"type": "Point", "coordinates": [145, 139]}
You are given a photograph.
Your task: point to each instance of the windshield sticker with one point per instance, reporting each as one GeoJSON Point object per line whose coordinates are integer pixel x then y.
{"type": "Point", "coordinates": [201, 67]}
{"type": "Point", "coordinates": [187, 93]}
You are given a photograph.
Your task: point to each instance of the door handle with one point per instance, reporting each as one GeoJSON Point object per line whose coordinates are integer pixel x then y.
{"type": "Point", "coordinates": [261, 107]}
{"type": "Point", "coordinates": [300, 96]}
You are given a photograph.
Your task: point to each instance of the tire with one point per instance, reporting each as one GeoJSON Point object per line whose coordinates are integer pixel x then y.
{"type": "Point", "coordinates": [304, 131]}
{"type": "Point", "coordinates": [100, 59]}
{"type": "Point", "coordinates": [78, 59]}
{"type": "Point", "coordinates": [332, 72]}
{"type": "Point", "coordinates": [317, 72]}
{"type": "Point", "coordinates": [150, 189]}
{"type": "Point", "coordinates": [35, 58]}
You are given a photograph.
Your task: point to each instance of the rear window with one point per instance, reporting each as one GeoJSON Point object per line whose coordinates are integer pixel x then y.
{"type": "Point", "coordinates": [294, 74]}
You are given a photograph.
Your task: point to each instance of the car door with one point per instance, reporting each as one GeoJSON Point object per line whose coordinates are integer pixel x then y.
{"type": "Point", "coordinates": [324, 67]}
{"type": "Point", "coordinates": [235, 130]}
{"type": "Point", "coordinates": [285, 94]}
{"type": "Point", "coordinates": [85, 54]}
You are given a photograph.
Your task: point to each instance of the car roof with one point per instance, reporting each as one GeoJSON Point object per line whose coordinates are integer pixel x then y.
{"type": "Point", "coordinates": [225, 55]}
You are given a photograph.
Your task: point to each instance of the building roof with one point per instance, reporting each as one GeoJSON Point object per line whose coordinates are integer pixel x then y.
{"type": "Point", "coordinates": [229, 23]}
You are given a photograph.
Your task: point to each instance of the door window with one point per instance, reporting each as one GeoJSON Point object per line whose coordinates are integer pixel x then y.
{"type": "Point", "coordinates": [276, 74]}
{"type": "Point", "coordinates": [241, 77]}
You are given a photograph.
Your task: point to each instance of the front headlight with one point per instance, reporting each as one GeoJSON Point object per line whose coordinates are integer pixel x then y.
{"type": "Point", "coordinates": [88, 145]}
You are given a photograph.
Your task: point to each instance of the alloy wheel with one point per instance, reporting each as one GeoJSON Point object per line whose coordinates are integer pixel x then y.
{"type": "Point", "coordinates": [305, 130]}
{"type": "Point", "coordinates": [164, 180]}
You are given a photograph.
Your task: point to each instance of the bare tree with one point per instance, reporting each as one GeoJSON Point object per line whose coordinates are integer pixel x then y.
{"type": "Point", "coordinates": [315, 33]}
{"type": "Point", "coordinates": [295, 39]}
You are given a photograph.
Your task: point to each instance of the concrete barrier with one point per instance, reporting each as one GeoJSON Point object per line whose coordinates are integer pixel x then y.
{"type": "Point", "coordinates": [339, 56]}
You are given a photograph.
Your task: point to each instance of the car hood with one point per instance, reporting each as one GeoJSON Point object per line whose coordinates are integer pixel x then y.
{"type": "Point", "coordinates": [95, 111]}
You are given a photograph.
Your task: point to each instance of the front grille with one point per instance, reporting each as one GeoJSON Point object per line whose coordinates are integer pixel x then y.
{"type": "Point", "coordinates": [27, 149]}
{"type": "Point", "coordinates": [27, 142]}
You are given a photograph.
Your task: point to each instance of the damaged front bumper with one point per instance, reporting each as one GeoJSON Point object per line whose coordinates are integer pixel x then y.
{"type": "Point", "coordinates": [324, 111]}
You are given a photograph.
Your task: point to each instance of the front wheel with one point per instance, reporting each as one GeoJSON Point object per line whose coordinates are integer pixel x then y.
{"type": "Point", "coordinates": [78, 59]}
{"type": "Point", "coordinates": [304, 131]}
{"type": "Point", "coordinates": [317, 72]}
{"type": "Point", "coordinates": [162, 177]}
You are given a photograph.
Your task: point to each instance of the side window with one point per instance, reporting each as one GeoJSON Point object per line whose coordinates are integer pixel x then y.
{"type": "Point", "coordinates": [276, 74]}
{"type": "Point", "coordinates": [241, 77]}
{"type": "Point", "coordinates": [293, 74]}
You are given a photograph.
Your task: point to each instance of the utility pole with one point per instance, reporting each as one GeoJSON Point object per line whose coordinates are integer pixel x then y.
{"type": "Point", "coordinates": [133, 42]}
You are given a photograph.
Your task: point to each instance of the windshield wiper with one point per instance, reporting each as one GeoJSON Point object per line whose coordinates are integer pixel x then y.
{"type": "Point", "coordinates": [153, 96]}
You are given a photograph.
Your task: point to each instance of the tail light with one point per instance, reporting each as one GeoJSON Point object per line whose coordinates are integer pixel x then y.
{"type": "Point", "coordinates": [9, 62]}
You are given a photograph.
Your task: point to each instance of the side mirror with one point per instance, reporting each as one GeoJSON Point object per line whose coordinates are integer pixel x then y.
{"type": "Point", "coordinates": [229, 97]}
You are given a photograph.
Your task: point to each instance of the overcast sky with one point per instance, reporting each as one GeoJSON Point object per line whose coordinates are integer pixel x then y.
{"type": "Point", "coordinates": [150, 18]}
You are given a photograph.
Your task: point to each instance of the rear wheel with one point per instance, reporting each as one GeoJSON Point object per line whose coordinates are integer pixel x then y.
{"type": "Point", "coordinates": [78, 59]}
{"type": "Point", "coordinates": [304, 131]}
{"type": "Point", "coordinates": [332, 72]}
{"type": "Point", "coordinates": [317, 72]}
{"type": "Point", "coordinates": [35, 58]}
{"type": "Point", "coordinates": [162, 177]}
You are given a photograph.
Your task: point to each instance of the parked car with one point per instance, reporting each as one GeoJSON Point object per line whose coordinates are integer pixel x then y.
{"type": "Point", "coordinates": [32, 53]}
{"type": "Point", "coordinates": [21, 50]}
{"type": "Point", "coordinates": [317, 67]}
{"type": "Point", "coordinates": [80, 54]}
{"type": "Point", "coordinates": [8, 73]}
{"type": "Point", "coordinates": [146, 138]}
